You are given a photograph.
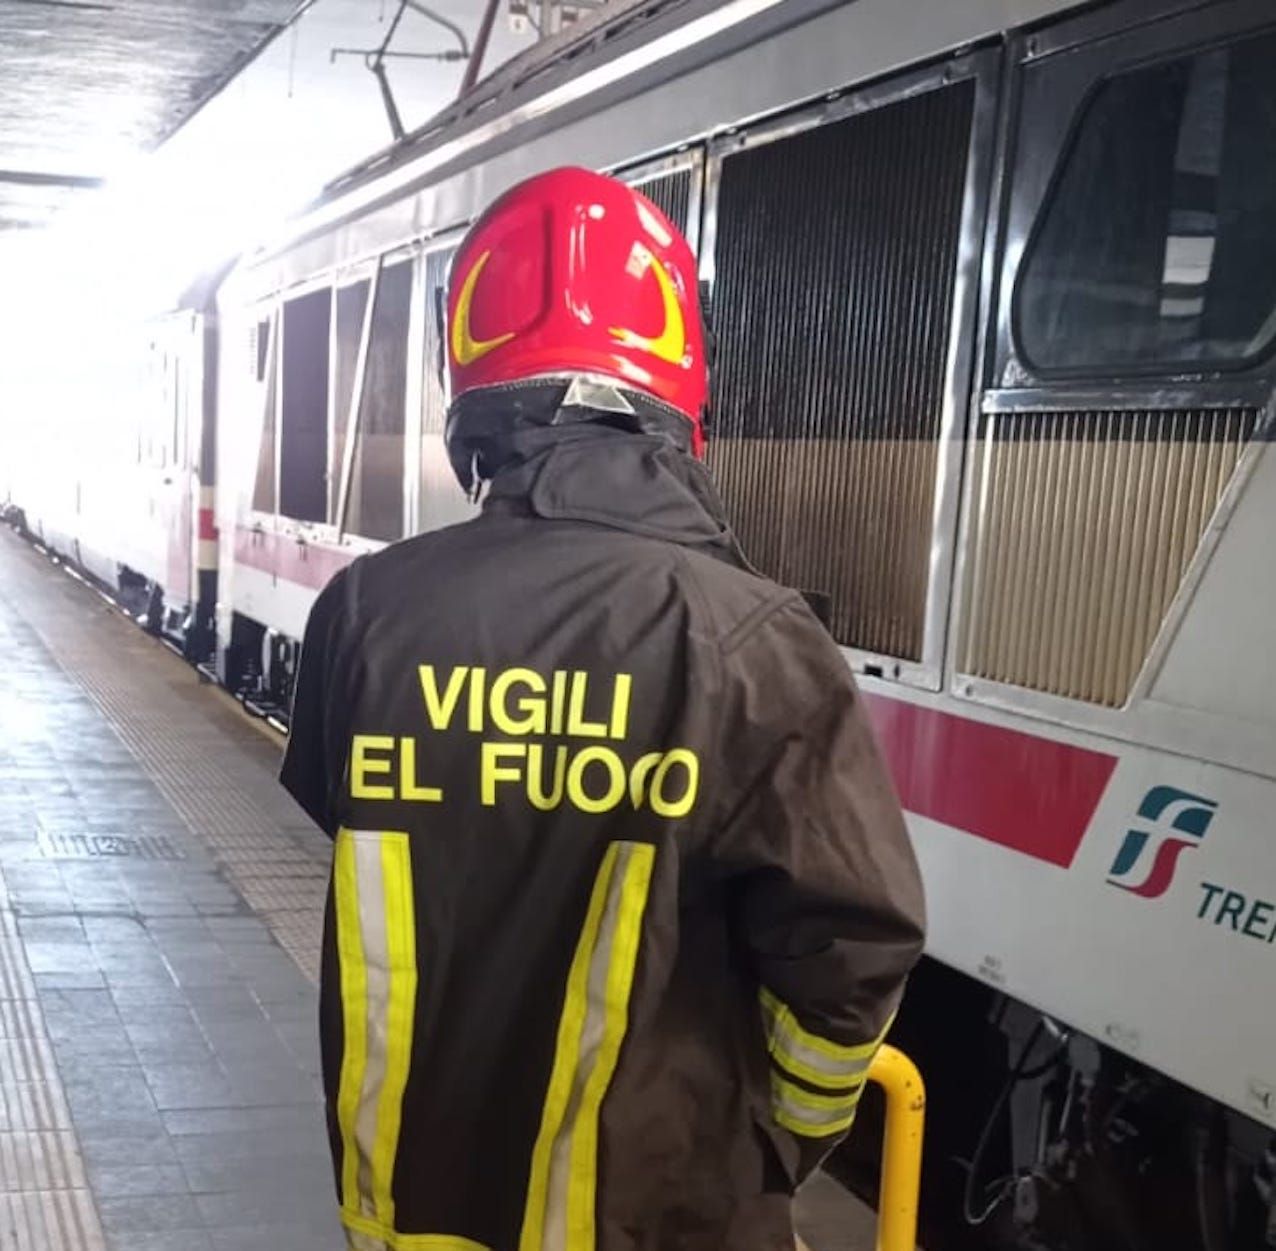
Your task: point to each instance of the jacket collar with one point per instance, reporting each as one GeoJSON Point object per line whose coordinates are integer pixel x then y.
{"type": "Point", "coordinates": [638, 483]}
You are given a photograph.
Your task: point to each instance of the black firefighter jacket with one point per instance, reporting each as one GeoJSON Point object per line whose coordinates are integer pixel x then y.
{"type": "Point", "coordinates": [622, 899]}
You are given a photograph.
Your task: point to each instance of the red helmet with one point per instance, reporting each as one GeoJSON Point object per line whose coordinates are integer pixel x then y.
{"type": "Point", "coordinates": [572, 273]}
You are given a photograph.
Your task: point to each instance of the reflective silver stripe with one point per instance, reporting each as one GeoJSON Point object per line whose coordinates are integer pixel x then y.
{"type": "Point", "coordinates": [372, 932]}
{"type": "Point", "coordinates": [560, 1212]}
{"type": "Point", "coordinates": [803, 1054]}
{"type": "Point", "coordinates": [376, 944]}
{"type": "Point", "coordinates": [809, 1114]}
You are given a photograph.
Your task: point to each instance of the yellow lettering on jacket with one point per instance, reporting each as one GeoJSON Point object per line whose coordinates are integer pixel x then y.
{"type": "Point", "coordinates": [439, 709]}
{"type": "Point", "coordinates": [541, 799]}
{"type": "Point", "coordinates": [408, 787]}
{"type": "Point", "coordinates": [541, 712]}
{"type": "Point", "coordinates": [532, 720]}
{"type": "Point", "coordinates": [361, 764]}
{"type": "Point", "coordinates": [638, 777]}
{"type": "Point", "coordinates": [577, 726]}
{"type": "Point", "coordinates": [558, 702]}
{"type": "Point", "coordinates": [492, 771]}
{"type": "Point", "coordinates": [478, 684]}
{"type": "Point", "coordinates": [620, 706]}
{"type": "Point", "coordinates": [661, 803]}
{"type": "Point", "coordinates": [603, 800]}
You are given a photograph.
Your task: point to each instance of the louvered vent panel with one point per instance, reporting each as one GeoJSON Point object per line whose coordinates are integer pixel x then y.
{"type": "Point", "coordinates": [836, 257]}
{"type": "Point", "coordinates": [671, 193]}
{"type": "Point", "coordinates": [1086, 523]}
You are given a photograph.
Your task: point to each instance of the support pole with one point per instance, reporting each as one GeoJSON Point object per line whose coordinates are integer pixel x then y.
{"type": "Point", "coordinates": [905, 1093]}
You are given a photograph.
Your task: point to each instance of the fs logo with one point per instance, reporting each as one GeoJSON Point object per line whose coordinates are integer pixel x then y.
{"type": "Point", "coordinates": [1168, 822]}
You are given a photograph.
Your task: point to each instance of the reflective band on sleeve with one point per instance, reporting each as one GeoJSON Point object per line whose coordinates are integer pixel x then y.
{"type": "Point", "coordinates": [811, 1115]}
{"type": "Point", "coordinates": [560, 1211]}
{"type": "Point", "coordinates": [376, 946]}
{"type": "Point", "coordinates": [814, 1059]}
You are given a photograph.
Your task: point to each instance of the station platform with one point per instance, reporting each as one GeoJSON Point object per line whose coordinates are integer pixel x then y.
{"type": "Point", "coordinates": [161, 902]}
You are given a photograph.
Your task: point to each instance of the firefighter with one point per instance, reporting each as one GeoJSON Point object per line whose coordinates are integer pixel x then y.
{"type": "Point", "coordinates": [622, 901]}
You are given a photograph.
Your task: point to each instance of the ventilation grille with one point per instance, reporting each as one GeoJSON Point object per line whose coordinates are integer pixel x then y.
{"type": "Point", "coordinates": [836, 255]}
{"type": "Point", "coordinates": [1086, 524]}
{"type": "Point", "coordinates": [671, 194]}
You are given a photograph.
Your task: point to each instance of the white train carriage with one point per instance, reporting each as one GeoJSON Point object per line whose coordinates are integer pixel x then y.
{"type": "Point", "coordinates": [994, 291]}
{"type": "Point", "coordinates": [104, 461]}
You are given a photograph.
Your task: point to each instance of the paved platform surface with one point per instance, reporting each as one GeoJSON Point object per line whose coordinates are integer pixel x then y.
{"type": "Point", "coordinates": [161, 902]}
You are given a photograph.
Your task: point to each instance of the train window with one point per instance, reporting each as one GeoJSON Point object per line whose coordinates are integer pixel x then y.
{"type": "Point", "coordinates": [836, 253]}
{"type": "Point", "coordinates": [376, 481]}
{"type": "Point", "coordinates": [264, 487]}
{"type": "Point", "coordinates": [303, 410]}
{"type": "Point", "coordinates": [1156, 251]}
{"type": "Point", "coordinates": [352, 306]}
{"type": "Point", "coordinates": [442, 502]}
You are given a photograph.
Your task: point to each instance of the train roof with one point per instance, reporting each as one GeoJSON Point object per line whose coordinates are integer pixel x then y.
{"type": "Point", "coordinates": [566, 48]}
{"type": "Point", "coordinates": [620, 51]}
{"type": "Point", "coordinates": [612, 52]}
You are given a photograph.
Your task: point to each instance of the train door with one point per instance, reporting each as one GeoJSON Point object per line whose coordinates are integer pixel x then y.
{"type": "Point", "coordinates": [154, 538]}
{"type": "Point", "coordinates": [185, 396]}
{"type": "Point", "coordinates": [256, 524]}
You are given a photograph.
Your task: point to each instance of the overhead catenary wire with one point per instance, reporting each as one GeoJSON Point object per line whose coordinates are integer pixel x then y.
{"type": "Point", "coordinates": [375, 58]}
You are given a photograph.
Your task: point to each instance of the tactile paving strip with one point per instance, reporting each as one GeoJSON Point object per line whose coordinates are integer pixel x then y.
{"type": "Point", "coordinates": [49, 1220]}
{"type": "Point", "coordinates": [41, 1160]}
{"type": "Point", "coordinates": [45, 1202]}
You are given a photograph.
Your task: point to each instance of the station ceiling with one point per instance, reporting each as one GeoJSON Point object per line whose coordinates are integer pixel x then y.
{"type": "Point", "coordinates": [87, 84]}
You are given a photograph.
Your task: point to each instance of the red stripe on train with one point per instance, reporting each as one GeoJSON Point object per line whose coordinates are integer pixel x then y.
{"type": "Point", "coordinates": [1033, 795]}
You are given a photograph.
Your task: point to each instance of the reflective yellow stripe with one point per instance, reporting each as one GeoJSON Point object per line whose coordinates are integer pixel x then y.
{"type": "Point", "coordinates": [400, 930]}
{"type": "Point", "coordinates": [374, 1236]}
{"type": "Point", "coordinates": [354, 995]}
{"type": "Point", "coordinates": [560, 1210]}
{"type": "Point", "coordinates": [816, 1060]}
{"type": "Point", "coordinates": [376, 945]}
{"type": "Point", "coordinates": [583, 1185]}
{"type": "Point", "coordinates": [811, 1115]}
{"type": "Point", "coordinates": [566, 1053]}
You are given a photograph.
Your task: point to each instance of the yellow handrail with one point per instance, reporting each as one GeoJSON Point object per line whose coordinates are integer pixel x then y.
{"type": "Point", "coordinates": [905, 1093]}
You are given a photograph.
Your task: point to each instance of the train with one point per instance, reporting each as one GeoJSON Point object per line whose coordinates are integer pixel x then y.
{"type": "Point", "coordinates": [992, 285]}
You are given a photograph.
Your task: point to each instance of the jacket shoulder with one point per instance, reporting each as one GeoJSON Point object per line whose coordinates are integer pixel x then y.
{"type": "Point", "coordinates": [737, 603]}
